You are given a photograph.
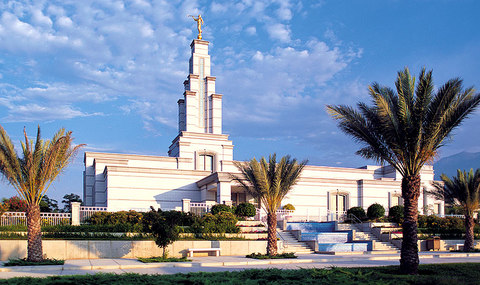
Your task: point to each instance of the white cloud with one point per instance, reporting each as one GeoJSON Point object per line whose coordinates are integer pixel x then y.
{"type": "Point", "coordinates": [137, 52]}
{"type": "Point", "coordinates": [284, 79]}
{"type": "Point", "coordinates": [64, 22]}
{"type": "Point", "coordinates": [40, 19]}
{"type": "Point", "coordinates": [32, 112]}
{"type": "Point", "coordinates": [251, 30]}
{"type": "Point", "coordinates": [279, 32]}
{"type": "Point", "coordinates": [284, 12]}
{"type": "Point", "coordinates": [218, 8]}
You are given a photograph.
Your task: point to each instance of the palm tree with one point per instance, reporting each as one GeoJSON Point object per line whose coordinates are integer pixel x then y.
{"type": "Point", "coordinates": [269, 182]}
{"type": "Point", "coordinates": [405, 129]}
{"type": "Point", "coordinates": [463, 191]}
{"type": "Point", "coordinates": [33, 174]}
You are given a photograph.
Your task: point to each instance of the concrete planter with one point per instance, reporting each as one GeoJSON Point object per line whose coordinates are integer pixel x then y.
{"type": "Point", "coordinates": [445, 245]}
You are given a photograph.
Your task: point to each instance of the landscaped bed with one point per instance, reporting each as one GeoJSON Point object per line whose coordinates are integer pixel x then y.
{"type": "Point", "coordinates": [464, 273]}
{"type": "Point", "coordinates": [265, 256]}
{"type": "Point", "coordinates": [25, 262]}
{"type": "Point", "coordinates": [162, 259]}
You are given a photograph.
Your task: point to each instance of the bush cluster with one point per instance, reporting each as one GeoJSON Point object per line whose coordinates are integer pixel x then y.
{"type": "Point", "coordinates": [222, 222]}
{"type": "Point", "coordinates": [447, 227]}
{"type": "Point", "coordinates": [113, 218]}
{"type": "Point", "coordinates": [358, 212]}
{"type": "Point", "coordinates": [289, 207]}
{"type": "Point", "coordinates": [375, 211]}
{"type": "Point", "coordinates": [245, 210]}
{"type": "Point", "coordinates": [395, 214]}
{"type": "Point", "coordinates": [221, 208]}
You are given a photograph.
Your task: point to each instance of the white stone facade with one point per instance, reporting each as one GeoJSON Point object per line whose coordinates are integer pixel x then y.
{"type": "Point", "coordinates": [200, 166]}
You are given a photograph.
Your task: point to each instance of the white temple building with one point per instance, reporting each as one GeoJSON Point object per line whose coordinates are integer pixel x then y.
{"type": "Point", "coordinates": [198, 170]}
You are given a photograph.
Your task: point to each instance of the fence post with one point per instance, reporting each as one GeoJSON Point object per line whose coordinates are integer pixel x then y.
{"type": "Point", "coordinates": [186, 205]}
{"type": "Point", "coordinates": [75, 213]}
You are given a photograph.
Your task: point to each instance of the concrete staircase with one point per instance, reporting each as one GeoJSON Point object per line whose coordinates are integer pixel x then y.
{"type": "Point", "coordinates": [291, 244]}
{"type": "Point", "coordinates": [379, 247]}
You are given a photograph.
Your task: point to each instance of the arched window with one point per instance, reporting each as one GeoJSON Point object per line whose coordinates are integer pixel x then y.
{"type": "Point", "coordinates": [205, 162]}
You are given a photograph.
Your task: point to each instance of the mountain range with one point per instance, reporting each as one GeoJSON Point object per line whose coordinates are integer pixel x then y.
{"type": "Point", "coordinates": [450, 164]}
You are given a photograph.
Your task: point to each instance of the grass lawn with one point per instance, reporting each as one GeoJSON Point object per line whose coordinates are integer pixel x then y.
{"type": "Point", "coordinates": [451, 274]}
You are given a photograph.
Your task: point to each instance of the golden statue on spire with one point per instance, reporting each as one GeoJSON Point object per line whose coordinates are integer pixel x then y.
{"type": "Point", "coordinates": [200, 22]}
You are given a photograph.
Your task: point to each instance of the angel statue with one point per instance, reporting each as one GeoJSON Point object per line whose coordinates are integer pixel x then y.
{"type": "Point", "coordinates": [199, 21]}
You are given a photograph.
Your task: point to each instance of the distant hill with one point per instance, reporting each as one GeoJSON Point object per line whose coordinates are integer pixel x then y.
{"type": "Point", "coordinates": [450, 164]}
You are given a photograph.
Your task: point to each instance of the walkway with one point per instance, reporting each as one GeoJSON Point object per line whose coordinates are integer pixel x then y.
{"type": "Point", "coordinates": [226, 263]}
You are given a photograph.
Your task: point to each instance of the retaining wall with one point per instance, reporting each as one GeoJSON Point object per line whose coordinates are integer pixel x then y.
{"type": "Point", "coordinates": [83, 249]}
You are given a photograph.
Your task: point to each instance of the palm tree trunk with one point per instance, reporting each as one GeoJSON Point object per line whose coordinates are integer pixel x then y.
{"type": "Point", "coordinates": [272, 234]}
{"type": "Point", "coordinates": [469, 224]}
{"type": "Point", "coordinates": [409, 253]}
{"type": "Point", "coordinates": [34, 233]}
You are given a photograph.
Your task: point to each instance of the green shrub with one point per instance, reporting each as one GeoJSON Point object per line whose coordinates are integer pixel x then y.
{"type": "Point", "coordinates": [448, 227]}
{"type": "Point", "coordinates": [226, 223]}
{"type": "Point", "coordinates": [395, 214]}
{"type": "Point", "coordinates": [222, 222]}
{"type": "Point", "coordinates": [375, 211]}
{"type": "Point", "coordinates": [265, 256]}
{"type": "Point", "coordinates": [358, 212]}
{"type": "Point", "coordinates": [220, 208]}
{"type": "Point", "coordinates": [289, 207]}
{"type": "Point", "coordinates": [113, 218]}
{"type": "Point", "coordinates": [245, 210]}
{"type": "Point", "coordinates": [25, 262]}
{"type": "Point", "coordinates": [161, 259]}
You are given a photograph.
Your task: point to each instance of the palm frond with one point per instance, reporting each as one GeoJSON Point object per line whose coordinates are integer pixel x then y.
{"type": "Point", "coordinates": [269, 181]}
{"type": "Point", "coordinates": [406, 129]}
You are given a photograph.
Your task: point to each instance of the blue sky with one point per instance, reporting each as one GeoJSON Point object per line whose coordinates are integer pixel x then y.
{"type": "Point", "coordinates": [112, 71]}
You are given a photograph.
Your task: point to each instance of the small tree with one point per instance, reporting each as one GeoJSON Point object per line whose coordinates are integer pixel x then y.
{"type": "Point", "coordinates": [375, 211]}
{"type": "Point", "coordinates": [220, 208]}
{"type": "Point", "coordinates": [245, 210]}
{"type": "Point", "coordinates": [270, 182]}
{"type": "Point", "coordinates": [462, 190]}
{"type": "Point", "coordinates": [3, 208]}
{"type": "Point", "coordinates": [67, 201]}
{"type": "Point", "coordinates": [396, 213]}
{"type": "Point", "coordinates": [163, 226]}
{"type": "Point", "coordinates": [32, 173]}
{"type": "Point", "coordinates": [289, 207]}
{"type": "Point", "coordinates": [15, 204]}
{"type": "Point", "coordinates": [48, 205]}
{"type": "Point", "coordinates": [358, 212]}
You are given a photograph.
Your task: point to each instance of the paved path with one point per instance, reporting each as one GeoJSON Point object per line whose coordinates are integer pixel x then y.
{"type": "Point", "coordinates": [225, 263]}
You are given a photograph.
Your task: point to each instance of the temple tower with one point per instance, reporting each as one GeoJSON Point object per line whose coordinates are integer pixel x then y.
{"type": "Point", "coordinates": [200, 116]}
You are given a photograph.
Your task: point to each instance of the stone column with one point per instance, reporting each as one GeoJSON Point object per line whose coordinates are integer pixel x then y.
{"type": "Point", "coordinates": [441, 211]}
{"type": "Point", "coordinates": [224, 192]}
{"type": "Point", "coordinates": [75, 214]}
{"type": "Point", "coordinates": [186, 205]}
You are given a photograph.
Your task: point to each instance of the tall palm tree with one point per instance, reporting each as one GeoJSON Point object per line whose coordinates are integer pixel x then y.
{"type": "Point", "coordinates": [32, 175]}
{"type": "Point", "coordinates": [463, 191]}
{"type": "Point", "coordinates": [405, 129]}
{"type": "Point", "coordinates": [269, 182]}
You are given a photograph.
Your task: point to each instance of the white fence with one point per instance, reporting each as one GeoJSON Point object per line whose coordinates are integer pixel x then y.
{"type": "Point", "coordinates": [20, 218]}
{"type": "Point", "coordinates": [86, 212]}
{"type": "Point", "coordinates": [261, 215]}
{"type": "Point", "coordinates": [200, 209]}
{"type": "Point", "coordinates": [53, 219]}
